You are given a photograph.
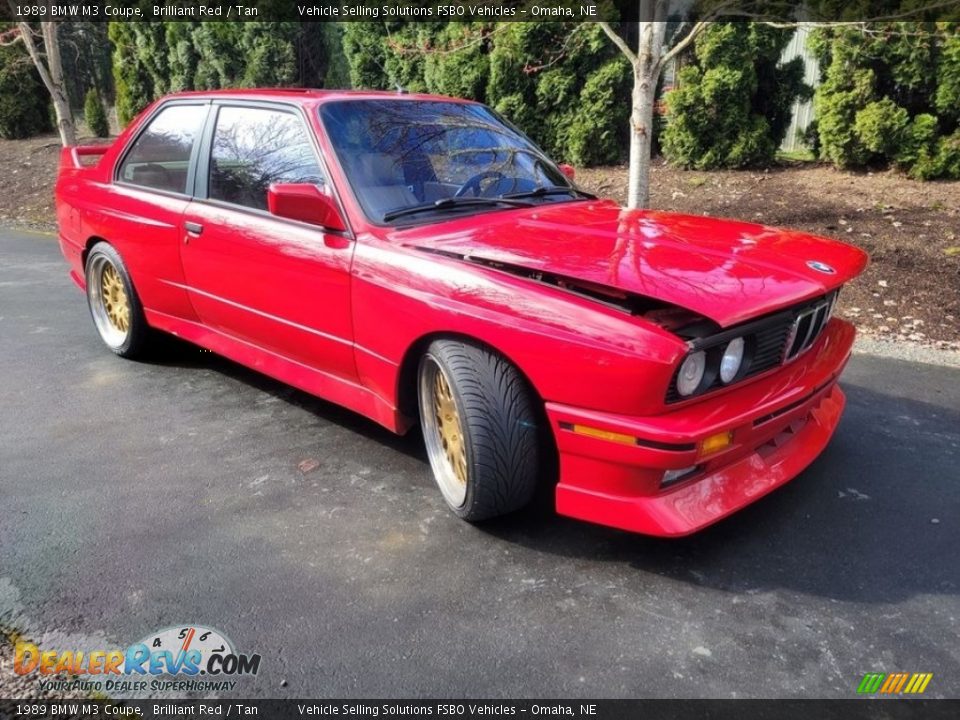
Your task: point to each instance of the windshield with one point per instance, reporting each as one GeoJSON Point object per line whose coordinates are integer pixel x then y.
{"type": "Point", "coordinates": [436, 158]}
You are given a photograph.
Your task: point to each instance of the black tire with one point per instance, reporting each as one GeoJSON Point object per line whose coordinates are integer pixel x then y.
{"type": "Point", "coordinates": [133, 340]}
{"type": "Point", "coordinates": [499, 422]}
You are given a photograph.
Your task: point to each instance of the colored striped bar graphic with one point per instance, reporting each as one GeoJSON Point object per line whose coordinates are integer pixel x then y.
{"type": "Point", "coordinates": [894, 683]}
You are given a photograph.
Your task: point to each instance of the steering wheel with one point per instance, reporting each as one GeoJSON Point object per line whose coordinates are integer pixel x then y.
{"type": "Point", "coordinates": [474, 182]}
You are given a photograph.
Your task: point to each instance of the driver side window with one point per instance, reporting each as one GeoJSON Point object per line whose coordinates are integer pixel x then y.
{"type": "Point", "coordinates": [255, 147]}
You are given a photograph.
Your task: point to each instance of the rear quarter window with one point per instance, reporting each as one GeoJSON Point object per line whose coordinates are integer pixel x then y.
{"type": "Point", "coordinates": [159, 158]}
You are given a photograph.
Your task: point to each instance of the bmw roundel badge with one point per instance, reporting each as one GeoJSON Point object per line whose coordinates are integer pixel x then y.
{"type": "Point", "coordinates": [820, 267]}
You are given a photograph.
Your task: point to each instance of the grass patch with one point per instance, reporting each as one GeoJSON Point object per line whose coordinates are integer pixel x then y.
{"type": "Point", "coordinates": [796, 156]}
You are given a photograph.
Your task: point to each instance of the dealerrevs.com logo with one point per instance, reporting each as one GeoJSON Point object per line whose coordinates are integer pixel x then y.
{"type": "Point", "coordinates": [183, 653]}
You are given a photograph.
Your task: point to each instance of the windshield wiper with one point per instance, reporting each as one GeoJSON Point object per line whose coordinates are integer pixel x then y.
{"type": "Point", "coordinates": [555, 190]}
{"type": "Point", "coordinates": [454, 202]}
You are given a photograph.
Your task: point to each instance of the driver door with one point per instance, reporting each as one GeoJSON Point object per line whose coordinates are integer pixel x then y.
{"type": "Point", "coordinates": [279, 284]}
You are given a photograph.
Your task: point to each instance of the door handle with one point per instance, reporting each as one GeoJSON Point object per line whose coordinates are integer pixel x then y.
{"type": "Point", "coordinates": [336, 242]}
{"type": "Point", "coordinates": [192, 227]}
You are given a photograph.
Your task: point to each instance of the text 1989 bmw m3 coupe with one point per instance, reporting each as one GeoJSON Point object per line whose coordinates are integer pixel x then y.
{"type": "Point", "coordinates": [418, 259]}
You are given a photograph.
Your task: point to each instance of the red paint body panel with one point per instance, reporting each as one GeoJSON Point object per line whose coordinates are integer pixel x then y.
{"type": "Point", "coordinates": [342, 314]}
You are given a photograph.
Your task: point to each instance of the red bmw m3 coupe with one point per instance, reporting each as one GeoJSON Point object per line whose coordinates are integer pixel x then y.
{"type": "Point", "coordinates": [419, 260]}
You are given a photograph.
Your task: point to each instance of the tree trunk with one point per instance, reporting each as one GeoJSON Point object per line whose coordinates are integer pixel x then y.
{"type": "Point", "coordinates": [641, 140]}
{"type": "Point", "coordinates": [52, 75]}
{"type": "Point", "coordinates": [646, 71]}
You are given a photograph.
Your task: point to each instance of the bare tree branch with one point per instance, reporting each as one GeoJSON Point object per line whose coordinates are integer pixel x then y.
{"type": "Point", "coordinates": [51, 73]}
{"type": "Point", "coordinates": [619, 42]}
{"type": "Point", "coordinates": [683, 44]}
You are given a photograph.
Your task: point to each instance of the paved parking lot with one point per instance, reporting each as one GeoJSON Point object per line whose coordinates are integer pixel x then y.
{"type": "Point", "coordinates": [135, 496]}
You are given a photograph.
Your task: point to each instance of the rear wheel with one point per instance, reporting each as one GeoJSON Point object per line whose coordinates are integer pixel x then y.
{"type": "Point", "coordinates": [114, 305]}
{"type": "Point", "coordinates": [479, 421]}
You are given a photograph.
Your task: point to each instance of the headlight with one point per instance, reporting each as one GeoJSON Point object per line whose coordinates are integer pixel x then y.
{"type": "Point", "coordinates": [691, 373]}
{"type": "Point", "coordinates": [732, 359]}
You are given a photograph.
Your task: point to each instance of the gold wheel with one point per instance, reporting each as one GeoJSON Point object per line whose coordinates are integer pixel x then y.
{"type": "Point", "coordinates": [111, 302]}
{"type": "Point", "coordinates": [480, 429]}
{"type": "Point", "coordinates": [443, 432]}
{"type": "Point", "coordinates": [449, 427]}
{"type": "Point", "coordinates": [114, 298]}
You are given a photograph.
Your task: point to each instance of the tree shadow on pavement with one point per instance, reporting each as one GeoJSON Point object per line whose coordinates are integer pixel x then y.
{"type": "Point", "coordinates": [173, 352]}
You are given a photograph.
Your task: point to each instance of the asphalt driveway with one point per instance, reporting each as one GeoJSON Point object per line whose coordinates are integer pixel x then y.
{"type": "Point", "coordinates": [135, 496]}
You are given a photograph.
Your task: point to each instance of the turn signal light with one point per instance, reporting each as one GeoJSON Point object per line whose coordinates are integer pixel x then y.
{"type": "Point", "coordinates": [716, 443]}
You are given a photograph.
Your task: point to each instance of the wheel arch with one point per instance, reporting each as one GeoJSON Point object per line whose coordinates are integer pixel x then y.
{"type": "Point", "coordinates": [406, 391]}
{"type": "Point", "coordinates": [88, 246]}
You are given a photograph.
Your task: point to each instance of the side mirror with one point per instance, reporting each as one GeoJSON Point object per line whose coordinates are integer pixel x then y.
{"type": "Point", "coordinates": [304, 202]}
{"type": "Point", "coordinates": [568, 171]}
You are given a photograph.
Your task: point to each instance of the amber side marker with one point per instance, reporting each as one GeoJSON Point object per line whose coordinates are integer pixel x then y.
{"type": "Point", "coordinates": [716, 443]}
{"type": "Point", "coordinates": [603, 434]}
{"type": "Point", "coordinates": [623, 438]}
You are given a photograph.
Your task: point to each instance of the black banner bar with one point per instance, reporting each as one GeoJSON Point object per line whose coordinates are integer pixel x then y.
{"type": "Point", "coordinates": [854, 709]}
{"type": "Point", "coordinates": [476, 10]}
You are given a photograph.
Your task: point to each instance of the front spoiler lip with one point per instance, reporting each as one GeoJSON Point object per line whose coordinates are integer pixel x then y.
{"type": "Point", "coordinates": [618, 484]}
{"type": "Point", "coordinates": [713, 495]}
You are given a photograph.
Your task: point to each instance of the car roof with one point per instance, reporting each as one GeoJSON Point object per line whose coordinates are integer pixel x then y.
{"type": "Point", "coordinates": [312, 96]}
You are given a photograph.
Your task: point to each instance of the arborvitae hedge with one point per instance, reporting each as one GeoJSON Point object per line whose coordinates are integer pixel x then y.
{"type": "Point", "coordinates": [564, 84]}
{"type": "Point", "coordinates": [733, 106]}
{"type": "Point", "coordinates": [891, 96]}
{"type": "Point", "coordinates": [25, 109]}
{"type": "Point", "coordinates": [152, 59]}
{"type": "Point", "coordinates": [95, 116]}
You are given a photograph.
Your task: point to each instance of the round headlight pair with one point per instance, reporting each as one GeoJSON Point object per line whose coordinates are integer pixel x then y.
{"type": "Point", "coordinates": [694, 367]}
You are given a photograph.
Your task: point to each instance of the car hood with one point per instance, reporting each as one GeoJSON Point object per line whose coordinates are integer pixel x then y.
{"type": "Point", "coordinates": [726, 270]}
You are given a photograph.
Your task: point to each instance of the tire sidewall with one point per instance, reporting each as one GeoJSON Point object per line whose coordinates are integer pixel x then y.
{"type": "Point", "coordinates": [435, 355]}
{"type": "Point", "coordinates": [134, 338]}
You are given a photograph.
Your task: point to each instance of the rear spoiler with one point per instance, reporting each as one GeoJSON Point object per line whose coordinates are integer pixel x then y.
{"type": "Point", "coordinates": [70, 155]}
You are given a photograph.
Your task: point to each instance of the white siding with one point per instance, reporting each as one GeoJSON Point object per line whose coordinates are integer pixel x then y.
{"type": "Point", "coordinates": [802, 112]}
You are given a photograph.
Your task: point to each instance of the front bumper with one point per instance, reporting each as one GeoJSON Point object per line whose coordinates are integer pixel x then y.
{"type": "Point", "coordinates": [779, 424]}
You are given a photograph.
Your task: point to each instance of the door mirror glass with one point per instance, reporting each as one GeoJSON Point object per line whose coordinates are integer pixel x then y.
{"type": "Point", "coordinates": [304, 202]}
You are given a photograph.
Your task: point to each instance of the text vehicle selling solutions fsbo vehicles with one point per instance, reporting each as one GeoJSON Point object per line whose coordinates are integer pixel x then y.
{"type": "Point", "coordinates": [418, 259]}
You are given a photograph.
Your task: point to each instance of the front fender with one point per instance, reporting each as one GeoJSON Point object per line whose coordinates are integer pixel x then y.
{"type": "Point", "coordinates": [571, 349]}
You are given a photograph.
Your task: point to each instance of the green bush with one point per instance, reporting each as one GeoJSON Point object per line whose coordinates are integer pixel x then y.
{"type": "Point", "coordinates": [464, 72]}
{"type": "Point", "coordinates": [26, 106]}
{"type": "Point", "coordinates": [604, 95]}
{"type": "Point", "coordinates": [881, 127]}
{"type": "Point", "coordinates": [890, 97]}
{"type": "Point", "coordinates": [733, 106]}
{"type": "Point", "coordinates": [947, 98]}
{"type": "Point", "coordinates": [132, 84]}
{"type": "Point", "coordinates": [152, 59]}
{"type": "Point", "coordinates": [95, 116]}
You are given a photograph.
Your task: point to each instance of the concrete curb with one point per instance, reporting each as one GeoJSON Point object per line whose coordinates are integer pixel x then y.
{"type": "Point", "coordinates": [905, 350]}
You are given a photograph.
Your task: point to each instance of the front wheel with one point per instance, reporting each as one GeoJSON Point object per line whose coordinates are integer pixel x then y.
{"type": "Point", "coordinates": [114, 305]}
{"type": "Point", "coordinates": [479, 422]}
